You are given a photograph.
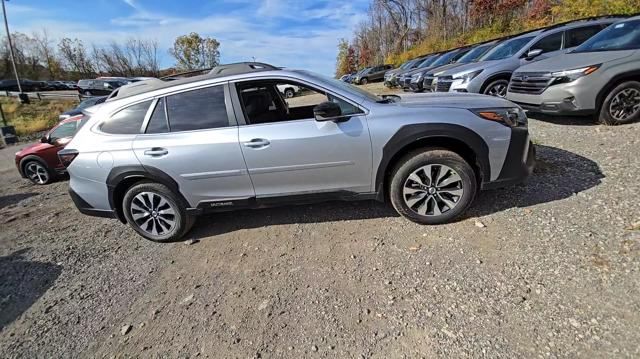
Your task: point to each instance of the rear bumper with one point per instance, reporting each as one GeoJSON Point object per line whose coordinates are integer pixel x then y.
{"type": "Point", "coordinates": [86, 208]}
{"type": "Point", "coordinates": [519, 162]}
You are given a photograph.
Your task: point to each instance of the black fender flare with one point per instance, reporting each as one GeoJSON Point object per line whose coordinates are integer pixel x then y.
{"type": "Point", "coordinates": [410, 134]}
{"type": "Point", "coordinates": [633, 75]}
{"type": "Point", "coordinates": [119, 174]}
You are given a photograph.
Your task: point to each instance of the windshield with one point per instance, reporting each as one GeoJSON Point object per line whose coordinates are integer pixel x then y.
{"type": "Point", "coordinates": [427, 62]}
{"type": "Point", "coordinates": [474, 54]}
{"type": "Point", "coordinates": [506, 49]}
{"type": "Point", "coordinates": [620, 36]}
{"type": "Point", "coordinates": [445, 59]}
{"type": "Point", "coordinates": [347, 87]}
{"type": "Point", "coordinates": [407, 64]}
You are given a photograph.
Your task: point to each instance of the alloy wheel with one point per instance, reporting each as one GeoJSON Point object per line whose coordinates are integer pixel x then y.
{"type": "Point", "coordinates": [432, 190]}
{"type": "Point", "coordinates": [625, 104]}
{"type": "Point", "coordinates": [153, 213]}
{"type": "Point", "coordinates": [499, 90]}
{"type": "Point", "coordinates": [36, 172]}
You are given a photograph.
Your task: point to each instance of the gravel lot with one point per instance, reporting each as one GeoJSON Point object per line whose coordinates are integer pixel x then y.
{"type": "Point", "coordinates": [546, 269]}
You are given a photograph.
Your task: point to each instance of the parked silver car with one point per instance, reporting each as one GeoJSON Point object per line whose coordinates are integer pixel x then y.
{"type": "Point", "coordinates": [601, 76]}
{"type": "Point", "coordinates": [491, 74]}
{"type": "Point", "coordinates": [155, 156]}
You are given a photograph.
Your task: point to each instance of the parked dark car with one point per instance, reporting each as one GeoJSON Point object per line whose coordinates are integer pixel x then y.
{"type": "Point", "coordinates": [39, 162]}
{"type": "Point", "coordinates": [27, 85]}
{"type": "Point", "coordinates": [371, 74]}
{"type": "Point", "coordinates": [98, 87]}
{"type": "Point", "coordinates": [84, 104]}
{"type": "Point", "coordinates": [56, 85]}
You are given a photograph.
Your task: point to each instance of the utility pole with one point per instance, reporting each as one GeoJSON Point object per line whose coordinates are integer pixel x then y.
{"type": "Point", "coordinates": [13, 58]}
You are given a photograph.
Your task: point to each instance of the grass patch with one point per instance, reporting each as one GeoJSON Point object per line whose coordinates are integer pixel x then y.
{"type": "Point", "coordinates": [34, 117]}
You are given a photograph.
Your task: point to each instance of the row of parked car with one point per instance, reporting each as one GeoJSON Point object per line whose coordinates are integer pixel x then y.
{"type": "Point", "coordinates": [100, 86]}
{"type": "Point", "coordinates": [35, 86]}
{"type": "Point", "coordinates": [584, 67]}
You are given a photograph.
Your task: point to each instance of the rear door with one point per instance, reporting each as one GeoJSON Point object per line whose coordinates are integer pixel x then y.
{"type": "Point", "coordinates": [192, 136]}
{"type": "Point", "coordinates": [288, 152]}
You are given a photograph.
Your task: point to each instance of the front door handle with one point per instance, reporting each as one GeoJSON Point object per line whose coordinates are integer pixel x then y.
{"type": "Point", "coordinates": [257, 143]}
{"type": "Point", "coordinates": [156, 152]}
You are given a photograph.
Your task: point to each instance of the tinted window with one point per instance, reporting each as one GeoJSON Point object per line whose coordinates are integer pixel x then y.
{"type": "Point", "coordinates": [620, 36]}
{"type": "Point", "coordinates": [575, 37]}
{"type": "Point", "coordinates": [127, 121]}
{"type": "Point", "coordinates": [65, 130]}
{"type": "Point", "coordinates": [158, 120]}
{"type": "Point", "coordinates": [197, 109]}
{"type": "Point", "coordinates": [474, 54]}
{"type": "Point", "coordinates": [549, 43]}
{"type": "Point", "coordinates": [506, 49]}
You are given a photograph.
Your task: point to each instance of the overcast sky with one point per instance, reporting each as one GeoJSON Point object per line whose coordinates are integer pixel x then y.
{"type": "Point", "coordinates": [300, 34]}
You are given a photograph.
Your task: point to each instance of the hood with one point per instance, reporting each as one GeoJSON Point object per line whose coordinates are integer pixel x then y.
{"type": "Point", "coordinates": [32, 148]}
{"type": "Point", "coordinates": [415, 71]}
{"type": "Point", "coordinates": [394, 71]}
{"type": "Point", "coordinates": [452, 100]}
{"type": "Point", "coordinates": [574, 61]}
{"type": "Point", "coordinates": [472, 66]}
{"type": "Point", "coordinates": [443, 68]}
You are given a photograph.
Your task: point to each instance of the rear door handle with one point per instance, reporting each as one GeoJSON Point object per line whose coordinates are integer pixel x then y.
{"type": "Point", "coordinates": [257, 143]}
{"type": "Point", "coordinates": [156, 152]}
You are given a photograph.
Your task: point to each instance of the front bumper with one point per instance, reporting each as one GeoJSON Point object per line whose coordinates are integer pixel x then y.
{"type": "Point", "coordinates": [416, 86]}
{"type": "Point", "coordinates": [519, 162]}
{"type": "Point", "coordinates": [561, 99]}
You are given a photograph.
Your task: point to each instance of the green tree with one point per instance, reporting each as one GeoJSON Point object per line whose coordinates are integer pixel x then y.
{"type": "Point", "coordinates": [194, 52]}
{"type": "Point", "coordinates": [342, 60]}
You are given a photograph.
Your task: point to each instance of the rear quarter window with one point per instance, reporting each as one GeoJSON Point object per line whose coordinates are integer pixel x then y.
{"type": "Point", "coordinates": [127, 121]}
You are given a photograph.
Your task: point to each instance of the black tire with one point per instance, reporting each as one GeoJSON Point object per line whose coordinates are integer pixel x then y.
{"type": "Point", "coordinates": [289, 93]}
{"type": "Point", "coordinates": [87, 93]}
{"type": "Point", "coordinates": [499, 82]}
{"type": "Point", "coordinates": [364, 81]}
{"type": "Point", "coordinates": [183, 221]}
{"type": "Point", "coordinates": [606, 116]}
{"type": "Point", "coordinates": [37, 172]}
{"type": "Point", "coordinates": [438, 157]}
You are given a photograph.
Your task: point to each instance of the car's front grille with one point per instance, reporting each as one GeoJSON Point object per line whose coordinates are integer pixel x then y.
{"type": "Point", "coordinates": [444, 83]}
{"type": "Point", "coordinates": [426, 83]}
{"type": "Point", "coordinates": [406, 81]}
{"type": "Point", "coordinates": [532, 83]}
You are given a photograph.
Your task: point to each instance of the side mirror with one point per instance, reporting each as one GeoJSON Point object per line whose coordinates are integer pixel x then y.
{"type": "Point", "coordinates": [533, 54]}
{"type": "Point", "coordinates": [44, 139]}
{"type": "Point", "coordinates": [327, 111]}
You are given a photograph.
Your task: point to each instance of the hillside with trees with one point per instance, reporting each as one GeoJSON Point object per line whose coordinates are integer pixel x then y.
{"type": "Point", "coordinates": [397, 30]}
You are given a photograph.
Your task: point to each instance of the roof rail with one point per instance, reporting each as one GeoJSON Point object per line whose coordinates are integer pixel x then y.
{"type": "Point", "coordinates": [590, 18]}
{"type": "Point", "coordinates": [183, 74]}
{"type": "Point", "coordinates": [241, 68]}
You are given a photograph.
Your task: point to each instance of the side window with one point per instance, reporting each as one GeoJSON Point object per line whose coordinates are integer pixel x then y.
{"type": "Point", "coordinates": [345, 107]}
{"type": "Point", "coordinates": [158, 121]}
{"type": "Point", "coordinates": [126, 121]}
{"type": "Point", "coordinates": [550, 43]}
{"type": "Point", "coordinates": [575, 37]}
{"type": "Point", "coordinates": [197, 109]}
{"type": "Point", "coordinates": [65, 130]}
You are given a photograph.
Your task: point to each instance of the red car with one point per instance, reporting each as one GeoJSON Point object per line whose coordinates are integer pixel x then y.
{"type": "Point", "coordinates": [39, 162]}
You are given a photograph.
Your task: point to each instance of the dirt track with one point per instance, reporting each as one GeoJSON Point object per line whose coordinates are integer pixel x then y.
{"type": "Point", "coordinates": [554, 272]}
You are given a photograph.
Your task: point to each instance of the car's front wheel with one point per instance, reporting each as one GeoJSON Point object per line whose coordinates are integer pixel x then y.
{"type": "Point", "coordinates": [289, 93]}
{"type": "Point", "coordinates": [156, 213]}
{"type": "Point", "coordinates": [87, 93]}
{"type": "Point", "coordinates": [364, 81]}
{"type": "Point", "coordinates": [497, 88]}
{"type": "Point", "coordinates": [432, 186]}
{"type": "Point", "coordinates": [622, 105]}
{"type": "Point", "coordinates": [37, 172]}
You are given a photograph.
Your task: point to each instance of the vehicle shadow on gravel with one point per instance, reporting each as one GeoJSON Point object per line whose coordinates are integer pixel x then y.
{"type": "Point", "coordinates": [23, 282]}
{"type": "Point", "coordinates": [559, 174]}
{"type": "Point", "coordinates": [8, 200]}
{"type": "Point", "coordinates": [214, 224]}
{"type": "Point", "coordinates": [567, 120]}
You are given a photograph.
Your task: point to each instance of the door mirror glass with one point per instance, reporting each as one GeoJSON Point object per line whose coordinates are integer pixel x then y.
{"type": "Point", "coordinates": [327, 111]}
{"type": "Point", "coordinates": [533, 54]}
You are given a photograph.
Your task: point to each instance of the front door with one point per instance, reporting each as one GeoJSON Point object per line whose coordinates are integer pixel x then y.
{"type": "Point", "coordinates": [191, 137]}
{"type": "Point", "coordinates": [289, 153]}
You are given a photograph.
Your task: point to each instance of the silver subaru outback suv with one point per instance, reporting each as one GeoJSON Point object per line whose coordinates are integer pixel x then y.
{"type": "Point", "coordinates": [490, 75]}
{"type": "Point", "coordinates": [601, 77]}
{"type": "Point", "coordinates": [156, 154]}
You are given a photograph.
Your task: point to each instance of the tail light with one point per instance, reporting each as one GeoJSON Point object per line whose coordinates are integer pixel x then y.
{"type": "Point", "coordinates": [67, 156]}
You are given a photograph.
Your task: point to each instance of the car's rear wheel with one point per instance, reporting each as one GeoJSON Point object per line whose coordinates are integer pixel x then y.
{"type": "Point", "coordinates": [156, 213]}
{"type": "Point", "coordinates": [497, 88]}
{"type": "Point", "coordinates": [289, 93]}
{"type": "Point", "coordinates": [432, 186]}
{"type": "Point", "coordinates": [622, 105]}
{"type": "Point", "coordinates": [364, 81]}
{"type": "Point", "coordinates": [87, 93]}
{"type": "Point", "coordinates": [37, 172]}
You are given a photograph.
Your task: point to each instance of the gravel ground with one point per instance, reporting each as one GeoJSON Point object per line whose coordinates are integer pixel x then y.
{"type": "Point", "coordinates": [546, 269]}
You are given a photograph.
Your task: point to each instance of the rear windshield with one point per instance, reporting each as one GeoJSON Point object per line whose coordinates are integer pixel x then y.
{"type": "Point", "coordinates": [620, 36]}
{"type": "Point", "coordinates": [506, 49]}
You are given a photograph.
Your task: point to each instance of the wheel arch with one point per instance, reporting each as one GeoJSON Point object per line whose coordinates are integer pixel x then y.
{"type": "Point", "coordinates": [633, 75]}
{"type": "Point", "coordinates": [122, 178]}
{"type": "Point", "coordinates": [28, 158]}
{"type": "Point", "coordinates": [506, 75]}
{"type": "Point", "coordinates": [456, 138]}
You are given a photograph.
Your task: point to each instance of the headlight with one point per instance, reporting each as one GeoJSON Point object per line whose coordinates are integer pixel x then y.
{"type": "Point", "coordinates": [572, 75]}
{"type": "Point", "coordinates": [467, 77]}
{"type": "Point", "coordinates": [511, 117]}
